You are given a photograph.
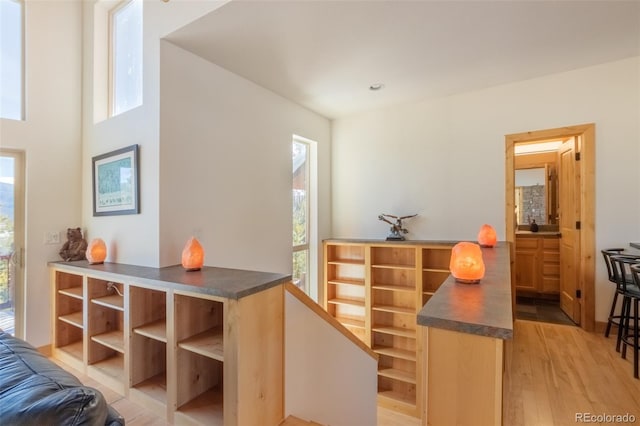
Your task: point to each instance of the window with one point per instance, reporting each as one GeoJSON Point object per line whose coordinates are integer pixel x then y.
{"type": "Point", "coordinates": [301, 222]}
{"type": "Point", "coordinates": [126, 57]}
{"type": "Point", "coordinates": [11, 69]}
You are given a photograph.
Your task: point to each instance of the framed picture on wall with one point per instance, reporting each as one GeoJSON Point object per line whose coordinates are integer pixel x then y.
{"type": "Point", "coordinates": [116, 185]}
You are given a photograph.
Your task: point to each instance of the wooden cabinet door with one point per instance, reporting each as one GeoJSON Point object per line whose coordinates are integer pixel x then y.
{"type": "Point", "coordinates": [527, 270]}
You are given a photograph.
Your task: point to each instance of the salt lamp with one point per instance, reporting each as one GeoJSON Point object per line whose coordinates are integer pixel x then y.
{"type": "Point", "coordinates": [96, 251]}
{"type": "Point", "coordinates": [192, 255]}
{"type": "Point", "coordinates": [466, 263]}
{"type": "Point", "coordinates": [487, 236]}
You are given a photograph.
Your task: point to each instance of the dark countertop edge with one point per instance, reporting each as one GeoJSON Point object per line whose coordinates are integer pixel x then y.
{"type": "Point", "coordinates": [402, 242]}
{"type": "Point", "coordinates": [269, 279]}
{"type": "Point", "coordinates": [493, 293]}
{"type": "Point", "coordinates": [635, 245]}
{"type": "Point", "coordinates": [464, 327]}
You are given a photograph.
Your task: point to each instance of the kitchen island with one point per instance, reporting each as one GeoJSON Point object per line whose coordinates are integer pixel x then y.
{"type": "Point", "coordinates": [464, 329]}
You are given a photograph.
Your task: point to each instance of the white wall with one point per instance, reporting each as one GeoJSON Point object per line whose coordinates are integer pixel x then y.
{"type": "Point", "coordinates": [444, 159]}
{"type": "Point", "coordinates": [131, 239]}
{"type": "Point", "coordinates": [328, 379]}
{"type": "Point", "coordinates": [50, 138]}
{"type": "Point", "coordinates": [225, 165]}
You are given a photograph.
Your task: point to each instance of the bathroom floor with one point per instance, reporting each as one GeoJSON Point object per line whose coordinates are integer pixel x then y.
{"type": "Point", "coordinates": [532, 309]}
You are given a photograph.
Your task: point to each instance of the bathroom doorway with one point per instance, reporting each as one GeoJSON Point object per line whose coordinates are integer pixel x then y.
{"type": "Point", "coordinates": [576, 218]}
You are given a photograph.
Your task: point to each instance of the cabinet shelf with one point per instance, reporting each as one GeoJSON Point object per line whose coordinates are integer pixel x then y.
{"type": "Point", "coordinates": [396, 331]}
{"type": "Point", "coordinates": [393, 287]}
{"type": "Point", "coordinates": [75, 292]}
{"type": "Point", "coordinates": [394, 266]}
{"type": "Point", "coordinates": [74, 319]}
{"type": "Point", "coordinates": [346, 262]}
{"type": "Point", "coordinates": [155, 388]}
{"type": "Point", "coordinates": [346, 281]}
{"type": "Point", "coordinates": [351, 322]}
{"type": "Point", "coordinates": [396, 353]}
{"type": "Point", "coordinates": [73, 349]}
{"type": "Point", "coordinates": [112, 339]}
{"type": "Point", "coordinates": [156, 330]}
{"type": "Point", "coordinates": [208, 343]}
{"type": "Point", "coordinates": [350, 302]}
{"type": "Point", "coordinates": [394, 309]}
{"type": "Point", "coordinates": [396, 374]}
{"type": "Point", "coordinates": [206, 408]}
{"type": "Point", "coordinates": [113, 301]}
{"type": "Point", "coordinates": [397, 398]}
{"type": "Point", "coordinates": [112, 367]}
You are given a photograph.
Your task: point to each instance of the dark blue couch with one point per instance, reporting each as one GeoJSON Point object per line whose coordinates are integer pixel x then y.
{"type": "Point", "coordinates": [36, 391]}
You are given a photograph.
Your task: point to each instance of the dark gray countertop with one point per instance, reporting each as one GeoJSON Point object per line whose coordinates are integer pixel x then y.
{"type": "Point", "coordinates": [222, 282]}
{"type": "Point", "coordinates": [635, 245]}
{"type": "Point", "coordinates": [383, 242]}
{"type": "Point", "coordinates": [483, 309]}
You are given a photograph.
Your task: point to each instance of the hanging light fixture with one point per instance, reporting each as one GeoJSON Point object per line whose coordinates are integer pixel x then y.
{"type": "Point", "coordinates": [192, 255]}
{"type": "Point", "coordinates": [466, 263]}
{"type": "Point", "coordinates": [487, 236]}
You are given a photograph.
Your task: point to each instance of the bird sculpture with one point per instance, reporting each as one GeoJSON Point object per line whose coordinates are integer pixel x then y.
{"type": "Point", "coordinates": [396, 229]}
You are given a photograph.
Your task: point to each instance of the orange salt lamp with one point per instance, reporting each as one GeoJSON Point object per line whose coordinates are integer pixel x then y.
{"type": "Point", "coordinates": [487, 236]}
{"type": "Point", "coordinates": [96, 251]}
{"type": "Point", "coordinates": [192, 255]}
{"type": "Point", "coordinates": [466, 263]}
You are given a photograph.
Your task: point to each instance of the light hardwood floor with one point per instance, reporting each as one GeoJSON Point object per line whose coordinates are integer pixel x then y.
{"type": "Point", "coordinates": [556, 371]}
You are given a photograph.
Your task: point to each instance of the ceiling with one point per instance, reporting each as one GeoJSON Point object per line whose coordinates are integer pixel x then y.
{"type": "Point", "coordinates": [324, 55]}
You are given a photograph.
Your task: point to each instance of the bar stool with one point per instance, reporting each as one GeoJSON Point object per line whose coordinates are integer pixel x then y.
{"type": "Point", "coordinates": [623, 267]}
{"type": "Point", "coordinates": [613, 318]}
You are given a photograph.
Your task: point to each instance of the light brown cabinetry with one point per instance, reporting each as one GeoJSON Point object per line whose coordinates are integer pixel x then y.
{"type": "Point", "coordinates": [538, 264]}
{"type": "Point", "coordinates": [376, 289]}
{"type": "Point", "coordinates": [198, 357]}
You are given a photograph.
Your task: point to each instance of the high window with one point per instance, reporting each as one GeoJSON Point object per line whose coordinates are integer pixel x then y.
{"type": "Point", "coordinates": [11, 59]}
{"type": "Point", "coordinates": [301, 217]}
{"type": "Point", "coordinates": [126, 56]}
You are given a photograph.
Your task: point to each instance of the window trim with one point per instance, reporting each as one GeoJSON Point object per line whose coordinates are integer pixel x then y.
{"type": "Point", "coordinates": [23, 92]}
{"type": "Point", "coordinates": [111, 34]}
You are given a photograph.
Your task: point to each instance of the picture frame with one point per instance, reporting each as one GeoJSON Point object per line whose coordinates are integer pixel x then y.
{"type": "Point", "coordinates": [116, 183]}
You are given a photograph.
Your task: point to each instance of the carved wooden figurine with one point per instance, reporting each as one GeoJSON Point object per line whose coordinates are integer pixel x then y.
{"type": "Point", "coordinates": [76, 246]}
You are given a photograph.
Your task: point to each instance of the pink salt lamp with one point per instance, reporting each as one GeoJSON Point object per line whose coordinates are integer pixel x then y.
{"type": "Point", "coordinates": [96, 251]}
{"type": "Point", "coordinates": [466, 263]}
{"type": "Point", "coordinates": [487, 236]}
{"type": "Point", "coordinates": [192, 255]}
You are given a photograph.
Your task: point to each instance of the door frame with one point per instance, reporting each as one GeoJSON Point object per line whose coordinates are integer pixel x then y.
{"type": "Point", "coordinates": [18, 236]}
{"type": "Point", "coordinates": [585, 146]}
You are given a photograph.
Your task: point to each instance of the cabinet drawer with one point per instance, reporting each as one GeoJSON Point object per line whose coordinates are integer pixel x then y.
{"type": "Point", "coordinates": [551, 257]}
{"type": "Point", "coordinates": [551, 270]}
{"type": "Point", "coordinates": [526, 243]}
{"type": "Point", "coordinates": [551, 243]}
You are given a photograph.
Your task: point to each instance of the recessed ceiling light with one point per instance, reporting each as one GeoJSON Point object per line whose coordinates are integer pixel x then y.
{"type": "Point", "coordinates": [376, 86]}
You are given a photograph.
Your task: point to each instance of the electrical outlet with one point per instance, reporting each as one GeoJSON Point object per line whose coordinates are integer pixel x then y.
{"type": "Point", "coordinates": [52, 237]}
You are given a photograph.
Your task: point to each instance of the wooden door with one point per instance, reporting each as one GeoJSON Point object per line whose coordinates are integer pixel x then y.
{"type": "Point", "coordinates": [569, 230]}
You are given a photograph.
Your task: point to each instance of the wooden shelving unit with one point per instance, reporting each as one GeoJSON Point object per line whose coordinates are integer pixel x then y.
{"type": "Point", "coordinates": [148, 347]}
{"type": "Point", "coordinates": [200, 356]}
{"type": "Point", "coordinates": [175, 348]}
{"type": "Point", "coordinates": [68, 318]}
{"type": "Point", "coordinates": [435, 269]}
{"type": "Point", "coordinates": [106, 344]}
{"type": "Point", "coordinates": [388, 283]}
{"type": "Point", "coordinates": [345, 291]}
